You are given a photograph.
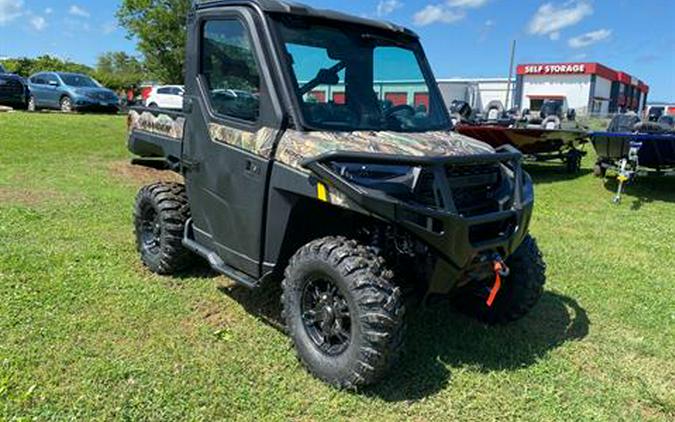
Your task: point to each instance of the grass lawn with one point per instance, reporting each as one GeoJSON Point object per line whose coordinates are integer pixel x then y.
{"type": "Point", "coordinates": [87, 333]}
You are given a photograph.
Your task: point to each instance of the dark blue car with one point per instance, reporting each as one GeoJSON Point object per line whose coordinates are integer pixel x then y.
{"type": "Point", "coordinates": [13, 90]}
{"type": "Point", "coordinates": [69, 92]}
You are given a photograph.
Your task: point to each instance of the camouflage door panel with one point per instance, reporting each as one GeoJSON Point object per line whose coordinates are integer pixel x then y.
{"type": "Point", "coordinates": [296, 146]}
{"type": "Point", "coordinates": [161, 124]}
{"type": "Point", "coordinates": [260, 143]}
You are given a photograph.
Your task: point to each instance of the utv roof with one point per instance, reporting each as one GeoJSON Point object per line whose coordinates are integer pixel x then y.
{"type": "Point", "coordinates": [283, 6]}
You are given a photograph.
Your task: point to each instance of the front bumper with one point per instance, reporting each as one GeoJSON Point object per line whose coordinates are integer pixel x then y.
{"type": "Point", "coordinates": [458, 241]}
{"type": "Point", "coordinates": [14, 99]}
{"type": "Point", "coordinates": [86, 103]}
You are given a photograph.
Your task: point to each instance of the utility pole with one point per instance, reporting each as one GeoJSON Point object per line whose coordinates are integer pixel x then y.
{"type": "Point", "coordinates": [508, 86]}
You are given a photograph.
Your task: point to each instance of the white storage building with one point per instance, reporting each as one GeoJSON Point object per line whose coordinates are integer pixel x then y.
{"type": "Point", "coordinates": [589, 88]}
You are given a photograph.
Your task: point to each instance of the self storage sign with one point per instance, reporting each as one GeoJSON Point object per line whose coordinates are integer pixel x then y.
{"type": "Point", "coordinates": [555, 69]}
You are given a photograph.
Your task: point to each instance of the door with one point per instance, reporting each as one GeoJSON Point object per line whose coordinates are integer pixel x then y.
{"type": "Point", "coordinates": [176, 98]}
{"type": "Point", "coordinates": [422, 99]}
{"type": "Point", "coordinates": [52, 90]}
{"type": "Point", "coordinates": [232, 122]}
{"type": "Point", "coordinates": [39, 90]}
{"type": "Point", "coordinates": [160, 97]}
{"type": "Point", "coordinates": [163, 98]}
{"type": "Point", "coordinates": [397, 98]}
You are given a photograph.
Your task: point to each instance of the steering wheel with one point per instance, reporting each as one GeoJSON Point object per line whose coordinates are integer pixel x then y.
{"type": "Point", "coordinates": [400, 116]}
{"type": "Point", "coordinates": [399, 108]}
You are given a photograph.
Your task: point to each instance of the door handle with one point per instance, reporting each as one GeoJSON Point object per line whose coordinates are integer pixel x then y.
{"type": "Point", "coordinates": [252, 167]}
{"type": "Point", "coordinates": [190, 164]}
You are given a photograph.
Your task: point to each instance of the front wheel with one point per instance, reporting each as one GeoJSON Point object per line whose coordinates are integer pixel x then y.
{"type": "Point", "coordinates": [66, 105]}
{"type": "Point", "coordinates": [343, 313]}
{"type": "Point", "coordinates": [520, 291]}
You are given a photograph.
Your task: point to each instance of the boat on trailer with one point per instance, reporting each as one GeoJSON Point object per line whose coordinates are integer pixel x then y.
{"type": "Point", "coordinates": [543, 138]}
{"type": "Point", "coordinates": [538, 144]}
{"type": "Point", "coordinates": [630, 147]}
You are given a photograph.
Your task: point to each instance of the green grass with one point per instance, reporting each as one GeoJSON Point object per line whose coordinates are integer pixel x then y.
{"type": "Point", "coordinates": [594, 123]}
{"type": "Point", "coordinates": [87, 333]}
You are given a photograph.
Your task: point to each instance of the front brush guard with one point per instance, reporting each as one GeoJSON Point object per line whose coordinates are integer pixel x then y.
{"type": "Point", "coordinates": [444, 230]}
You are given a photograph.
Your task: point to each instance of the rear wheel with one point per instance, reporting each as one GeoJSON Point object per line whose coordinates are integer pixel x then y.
{"type": "Point", "coordinates": [520, 291]}
{"type": "Point", "coordinates": [66, 105]}
{"type": "Point", "coordinates": [32, 105]}
{"type": "Point", "coordinates": [342, 312]}
{"type": "Point", "coordinates": [599, 170]}
{"type": "Point", "coordinates": [160, 216]}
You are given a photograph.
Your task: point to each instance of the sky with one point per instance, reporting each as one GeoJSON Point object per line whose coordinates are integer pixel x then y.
{"type": "Point", "coordinates": [463, 38]}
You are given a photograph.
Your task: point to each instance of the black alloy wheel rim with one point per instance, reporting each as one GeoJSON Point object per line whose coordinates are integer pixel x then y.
{"type": "Point", "coordinates": [151, 231]}
{"type": "Point", "coordinates": [326, 316]}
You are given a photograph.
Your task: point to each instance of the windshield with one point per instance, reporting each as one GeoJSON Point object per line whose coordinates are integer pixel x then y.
{"type": "Point", "coordinates": [2, 69]}
{"type": "Point", "coordinates": [552, 108]}
{"type": "Point", "coordinates": [668, 121]}
{"type": "Point", "coordinates": [348, 78]}
{"type": "Point", "coordinates": [80, 81]}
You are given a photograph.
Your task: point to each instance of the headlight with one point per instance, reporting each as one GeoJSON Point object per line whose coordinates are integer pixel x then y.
{"type": "Point", "coordinates": [397, 181]}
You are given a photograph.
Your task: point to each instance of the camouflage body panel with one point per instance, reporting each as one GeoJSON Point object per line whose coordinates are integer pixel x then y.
{"type": "Point", "coordinates": [260, 143]}
{"type": "Point", "coordinates": [296, 146]}
{"type": "Point", "coordinates": [161, 124]}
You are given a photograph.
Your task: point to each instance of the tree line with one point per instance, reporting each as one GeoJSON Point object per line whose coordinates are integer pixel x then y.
{"type": "Point", "coordinates": [115, 70]}
{"type": "Point", "coordinates": [158, 26]}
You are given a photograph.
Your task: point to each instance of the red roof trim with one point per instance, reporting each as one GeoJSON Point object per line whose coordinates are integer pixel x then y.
{"type": "Point", "coordinates": [622, 77]}
{"type": "Point", "coordinates": [602, 71]}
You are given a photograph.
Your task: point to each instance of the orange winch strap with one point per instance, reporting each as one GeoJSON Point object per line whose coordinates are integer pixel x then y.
{"type": "Point", "coordinates": [498, 284]}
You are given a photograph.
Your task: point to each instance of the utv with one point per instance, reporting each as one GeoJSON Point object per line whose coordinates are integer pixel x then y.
{"type": "Point", "coordinates": [298, 170]}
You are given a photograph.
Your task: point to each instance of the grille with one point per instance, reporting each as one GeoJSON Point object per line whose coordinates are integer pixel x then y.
{"type": "Point", "coordinates": [101, 96]}
{"type": "Point", "coordinates": [474, 188]}
{"type": "Point", "coordinates": [490, 231]}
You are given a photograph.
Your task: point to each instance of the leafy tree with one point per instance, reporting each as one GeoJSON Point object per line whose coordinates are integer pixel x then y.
{"type": "Point", "coordinates": [118, 70]}
{"type": "Point", "coordinates": [25, 66]}
{"type": "Point", "coordinates": [230, 66]}
{"type": "Point", "coordinates": [115, 70]}
{"type": "Point", "coordinates": [160, 28]}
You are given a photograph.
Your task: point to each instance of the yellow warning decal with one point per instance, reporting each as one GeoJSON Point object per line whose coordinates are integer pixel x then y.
{"type": "Point", "coordinates": [322, 192]}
